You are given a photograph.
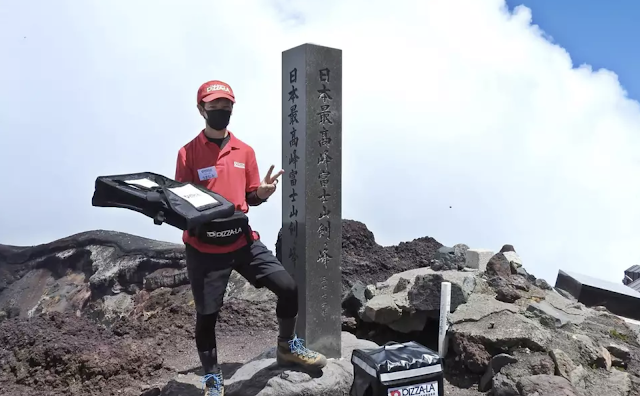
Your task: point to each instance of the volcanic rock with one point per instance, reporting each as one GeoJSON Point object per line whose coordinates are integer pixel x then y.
{"type": "Point", "coordinates": [60, 351]}
{"type": "Point", "coordinates": [499, 265]}
{"type": "Point", "coordinates": [495, 365]}
{"type": "Point", "coordinates": [382, 309]}
{"type": "Point", "coordinates": [564, 366]}
{"type": "Point", "coordinates": [364, 260]}
{"type": "Point", "coordinates": [545, 384]}
{"type": "Point", "coordinates": [259, 376]}
{"type": "Point", "coordinates": [406, 308]}
{"type": "Point", "coordinates": [619, 351]}
{"type": "Point", "coordinates": [355, 299]}
{"type": "Point", "coordinates": [424, 294]}
{"type": "Point", "coordinates": [450, 258]}
{"type": "Point", "coordinates": [547, 314]}
{"type": "Point", "coordinates": [507, 248]}
{"type": "Point", "coordinates": [512, 367]}
{"type": "Point", "coordinates": [62, 275]}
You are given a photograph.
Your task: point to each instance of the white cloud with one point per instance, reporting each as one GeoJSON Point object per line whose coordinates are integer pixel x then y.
{"type": "Point", "coordinates": [446, 103]}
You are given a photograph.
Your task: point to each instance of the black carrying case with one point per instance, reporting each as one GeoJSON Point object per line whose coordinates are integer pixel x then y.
{"type": "Point", "coordinates": [397, 369]}
{"type": "Point", "coordinates": [183, 205]}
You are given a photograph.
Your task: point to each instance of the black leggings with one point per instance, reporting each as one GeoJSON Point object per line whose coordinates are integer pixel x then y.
{"type": "Point", "coordinates": [280, 283]}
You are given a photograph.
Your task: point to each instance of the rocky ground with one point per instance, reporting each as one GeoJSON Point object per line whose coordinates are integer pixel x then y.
{"type": "Point", "coordinates": [510, 333]}
{"type": "Point", "coordinates": [105, 313]}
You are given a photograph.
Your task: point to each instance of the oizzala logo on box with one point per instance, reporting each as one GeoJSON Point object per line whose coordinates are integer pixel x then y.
{"type": "Point", "coordinates": [225, 233]}
{"type": "Point", "coordinates": [426, 389]}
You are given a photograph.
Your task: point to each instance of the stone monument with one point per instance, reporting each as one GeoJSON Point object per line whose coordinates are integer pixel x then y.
{"type": "Point", "coordinates": [312, 189]}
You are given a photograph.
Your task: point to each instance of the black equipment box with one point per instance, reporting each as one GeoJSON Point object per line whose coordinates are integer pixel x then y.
{"type": "Point", "coordinates": [395, 369]}
{"type": "Point", "coordinates": [183, 205]}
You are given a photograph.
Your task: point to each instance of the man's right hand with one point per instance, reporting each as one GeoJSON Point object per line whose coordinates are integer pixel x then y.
{"type": "Point", "coordinates": [268, 185]}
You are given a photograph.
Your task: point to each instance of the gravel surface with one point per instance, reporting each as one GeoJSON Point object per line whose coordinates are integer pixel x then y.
{"type": "Point", "coordinates": [233, 349]}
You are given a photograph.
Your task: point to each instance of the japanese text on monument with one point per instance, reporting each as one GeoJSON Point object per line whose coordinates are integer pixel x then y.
{"type": "Point", "coordinates": [324, 176]}
{"type": "Point", "coordinates": [293, 162]}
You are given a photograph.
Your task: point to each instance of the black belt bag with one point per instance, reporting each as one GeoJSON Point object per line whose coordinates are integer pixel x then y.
{"type": "Point", "coordinates": [225, 231]}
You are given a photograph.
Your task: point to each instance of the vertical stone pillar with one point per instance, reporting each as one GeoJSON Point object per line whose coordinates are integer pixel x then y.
{"type": "Point", "coordinates": [312, 189]}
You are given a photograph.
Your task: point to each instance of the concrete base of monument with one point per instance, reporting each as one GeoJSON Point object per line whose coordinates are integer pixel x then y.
{"type": "Point", "coordinates": [261, 376]}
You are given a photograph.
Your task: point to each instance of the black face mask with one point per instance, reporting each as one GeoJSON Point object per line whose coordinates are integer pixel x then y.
{"type": "Point", "coordinates": [218, 119]}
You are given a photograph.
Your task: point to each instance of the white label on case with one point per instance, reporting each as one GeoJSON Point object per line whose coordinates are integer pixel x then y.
{"type": "Point", "coordinates": [194, 196]}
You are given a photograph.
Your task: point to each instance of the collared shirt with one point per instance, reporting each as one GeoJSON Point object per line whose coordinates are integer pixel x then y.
{"type": "Point", "coordinates": [231, 171]}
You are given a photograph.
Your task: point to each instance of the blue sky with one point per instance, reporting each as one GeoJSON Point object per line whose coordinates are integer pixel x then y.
{"type": "Point", "coordinates": [491, 134]}
{"type": "Point", "coordinates": [600, 33]}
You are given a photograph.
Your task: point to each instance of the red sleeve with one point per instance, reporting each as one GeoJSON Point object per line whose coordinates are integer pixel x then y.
{"type": "Point", "coordinates": [253, 175]}
{"type": "Point", "coordinates": [183, 172]}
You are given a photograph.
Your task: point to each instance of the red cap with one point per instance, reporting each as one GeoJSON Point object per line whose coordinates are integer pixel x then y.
{"type": "Point", "coordinates": [215, 89]}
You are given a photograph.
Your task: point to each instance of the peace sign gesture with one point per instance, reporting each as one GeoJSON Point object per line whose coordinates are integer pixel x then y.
{"type": "Point", "coordinates": [268, 184]}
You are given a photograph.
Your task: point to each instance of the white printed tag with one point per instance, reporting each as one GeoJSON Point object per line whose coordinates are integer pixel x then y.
{"type": "Point", "coordinates": [238, 164]}
{"type": "Point", "coordinates": [425, 389]}
{"type": "Point", "coordinates": [142, 183]}
{"type": "Point", "coordinates": [207, 173]}
{"type": "Point", "coordinates": [194, 196]}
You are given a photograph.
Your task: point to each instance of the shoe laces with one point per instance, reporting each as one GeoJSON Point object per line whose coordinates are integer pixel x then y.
{"type": "Point", "coordinates": [297, 347]}
{"type": "Point", "coordinates": [216, 384]}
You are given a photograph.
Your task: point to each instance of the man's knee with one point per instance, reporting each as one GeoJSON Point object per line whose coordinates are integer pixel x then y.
{"type": "Point", "coordinates": [282, 284]}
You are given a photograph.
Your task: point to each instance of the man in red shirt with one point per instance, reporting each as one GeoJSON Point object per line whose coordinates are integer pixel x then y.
{"type": "Point", "coordinates": [219, 161]}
